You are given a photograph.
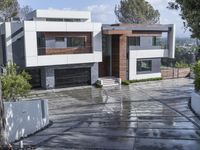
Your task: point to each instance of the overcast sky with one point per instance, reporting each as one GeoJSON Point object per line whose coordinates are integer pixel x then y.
{"type": "Point", "coordinates": [103, 10]}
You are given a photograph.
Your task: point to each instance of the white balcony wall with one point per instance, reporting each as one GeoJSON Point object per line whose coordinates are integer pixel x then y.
{"type": "Point", "coordinates": [145, 54]}
{"type": "Point", "coordinates": [31, 52]}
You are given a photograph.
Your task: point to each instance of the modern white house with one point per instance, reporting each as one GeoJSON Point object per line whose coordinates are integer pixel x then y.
{"type": "Point", "coordinates": [134, 51]}
{"type": "Point", "coordinates": [65, 48]}
{"type": "Point", "coordinates": [56, 47]}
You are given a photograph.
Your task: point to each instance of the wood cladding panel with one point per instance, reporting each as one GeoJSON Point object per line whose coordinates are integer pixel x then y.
{"type": "Point", "coordinates": [119, 46]}
{"type": "Point", "coordinates": [58, 51]}
{"type": "Point", "coordinates": [132, 33]}
{"type": "Point", "coordinates": [122, 57]}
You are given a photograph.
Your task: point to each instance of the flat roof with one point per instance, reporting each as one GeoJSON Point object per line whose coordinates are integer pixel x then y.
{"type": "Point", "coordinates": [54, 13]}
{"type": "Point", "coordinates": [138, 27]}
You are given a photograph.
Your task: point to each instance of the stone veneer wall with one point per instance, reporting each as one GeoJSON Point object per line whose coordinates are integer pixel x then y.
{"type": "Point", "coordinates": [170, 73]}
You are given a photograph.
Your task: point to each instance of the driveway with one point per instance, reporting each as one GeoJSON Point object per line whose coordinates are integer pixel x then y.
{"type": "Point", "coordinates": [143, 116]}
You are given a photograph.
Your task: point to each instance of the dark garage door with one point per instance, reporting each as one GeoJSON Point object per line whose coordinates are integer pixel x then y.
{"type": "Point", "coordinates": [36, 77]}
{"type": "Point", "coordinates": [72, 77]}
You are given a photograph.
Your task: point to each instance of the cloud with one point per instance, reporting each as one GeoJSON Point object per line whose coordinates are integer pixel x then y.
{"type": "Point", "coordinates": [102, 13]}
{"type": "Point", "coordinates": [170, 17]}
{"type": "Point", "coordinates": [105, 14]}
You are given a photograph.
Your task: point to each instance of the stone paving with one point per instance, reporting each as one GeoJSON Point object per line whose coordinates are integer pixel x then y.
{"type": "Point", "coordinates": [143, 116]}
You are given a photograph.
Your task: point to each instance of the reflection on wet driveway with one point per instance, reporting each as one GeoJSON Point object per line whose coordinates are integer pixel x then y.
{"type": "Point", "coordinates": [143, 116]}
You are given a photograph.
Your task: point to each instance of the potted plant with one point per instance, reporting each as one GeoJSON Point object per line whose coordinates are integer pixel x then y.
{"type": "Point", "coordinates": [195, 102]}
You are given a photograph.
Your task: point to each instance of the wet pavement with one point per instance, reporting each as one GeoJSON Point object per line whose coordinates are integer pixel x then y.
{"type": "Point", "coordinates": [143, 116]}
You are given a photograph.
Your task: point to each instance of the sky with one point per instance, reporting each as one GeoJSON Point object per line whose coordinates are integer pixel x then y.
{"type": "Point", "coordinates": [103, 10]}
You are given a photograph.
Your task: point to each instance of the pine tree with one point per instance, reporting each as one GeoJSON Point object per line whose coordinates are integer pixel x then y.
{"type": "Point", "coordinates": [136, 11]}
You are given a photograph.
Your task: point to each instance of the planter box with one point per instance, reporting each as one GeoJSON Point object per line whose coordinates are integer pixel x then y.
{"type": "Point", "coordinates": [25, 117]}
{"type": "Point", "coordinates": [171, 73]}
{"type": "Point", "coordinates": [195, 102]}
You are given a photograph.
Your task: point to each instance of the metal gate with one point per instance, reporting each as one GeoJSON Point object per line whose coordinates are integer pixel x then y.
{"type": "Point", "coordinates": [72, 77]}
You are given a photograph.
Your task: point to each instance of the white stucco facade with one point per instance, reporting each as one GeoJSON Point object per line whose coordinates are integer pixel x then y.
{"type": "Point", "coordinates": [149, 53]}
{"type": "Point", "coordinates": [64, 14]}
{"type": "Point", "coordinates": [31, 53]}
{"type": "Point", "coordinates": [144, 54]}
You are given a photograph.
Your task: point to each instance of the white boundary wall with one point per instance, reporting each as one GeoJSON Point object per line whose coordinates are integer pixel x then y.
{"type": "Point", "coordinates": [25, 117]}
{"type": "Point", "coordinates": [195, 102]}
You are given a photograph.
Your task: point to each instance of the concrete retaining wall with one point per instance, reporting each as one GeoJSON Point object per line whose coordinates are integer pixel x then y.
{"type": "Point", "coordinates": [170, 73]}
{"type": "Point", "coordinates": [25, 117]}
{"type": "Point", "coordinates": [195, 102]}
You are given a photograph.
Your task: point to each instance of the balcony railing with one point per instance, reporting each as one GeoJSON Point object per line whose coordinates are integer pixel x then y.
{"type": "Point", "coordinates": [146, 47]}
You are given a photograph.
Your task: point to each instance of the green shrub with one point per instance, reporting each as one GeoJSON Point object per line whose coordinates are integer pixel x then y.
{"type": "Point", "coordinates": [145, 80]}
{"type": "Point", "coordinates": [197, 76]}
{"type": "Point", "coordinates": [14, 84]}
{"type": "Point", "coordinates": [126, 82]}
{"type": "Point", "coordinates": [182, 65]}
{"type": "Point", "coordinates": [98, 84]}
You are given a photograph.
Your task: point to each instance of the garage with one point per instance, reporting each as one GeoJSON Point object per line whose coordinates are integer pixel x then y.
{"type": "Point", "coordinates": [72, 77]}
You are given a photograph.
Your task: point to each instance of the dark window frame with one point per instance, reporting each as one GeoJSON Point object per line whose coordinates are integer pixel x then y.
{"type": "Point", "coordinates": [71, 43]}
{"type": "Point", "coordinates": [134, 41]}
{"type": "Point", "coordinates": [156, 41]}
{"type": "Point", "coordinates": [60, 39]}
{"type": "Point", "coordinates": [141, 68]}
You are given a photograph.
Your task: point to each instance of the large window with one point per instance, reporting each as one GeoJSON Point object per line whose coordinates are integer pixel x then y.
{"type": "Point", "coordinates": [144, 65]}
{"type": "Point", "coordinates": [134, 41]}
{"type": "Point", "coordinates": [60, 39]}
{"type": "Point", "coordinates": [40, 40]}
{"type": "Point", "coordinates": [156, 41]}
{"type": "Point", "coordinates": [60, 42]}
{"type": "Point", "coordinates": [76, 42]}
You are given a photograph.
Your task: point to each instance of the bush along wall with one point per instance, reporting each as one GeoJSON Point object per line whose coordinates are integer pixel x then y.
{"type": "Point", "coordinates": [127, 82]}
{"type": "Point", "coordinates": [197, 76]}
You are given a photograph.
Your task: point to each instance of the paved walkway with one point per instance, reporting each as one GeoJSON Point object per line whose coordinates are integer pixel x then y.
{"type": "Point", "coordinates": [142, 116]}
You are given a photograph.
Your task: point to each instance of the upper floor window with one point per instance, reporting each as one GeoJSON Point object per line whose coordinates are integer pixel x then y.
{"type": "Point", "coordinates": [76, 42]}
{"type": "Point", "coordinates": [40, 40]}
{"type": "Point", "coordinates": [156, 41]}
{"type": "Point", "coordinates": [54, 19]}
{"type": "Point", "coordinates": [66, 20]}
{"type": "Point", "coordinates": [134, 41]}
{"type": "Point", "coordinates": [60, 39]}
{"type": "Point", "coordinates": [60, 42]}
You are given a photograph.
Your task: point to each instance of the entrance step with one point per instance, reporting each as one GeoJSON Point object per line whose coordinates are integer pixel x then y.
{"type": "Point", "coordinates": [110, 81]}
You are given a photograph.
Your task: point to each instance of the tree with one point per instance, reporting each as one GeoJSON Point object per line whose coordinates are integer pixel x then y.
{"type": "Point", "coordinates": [8, 9]}
{"type": "Point", "coordinates": [197, 76]}
{"type": "Point", "coordinates": [3, 141]}
{"type": "Point", "coordinates": [24, 11]}
{"type": "Point", "coordinates": [14, 84]}
{"type": "Point", "coordinates": [136, 11]}
{"type": "Point", "coordinates": [190, 13]}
